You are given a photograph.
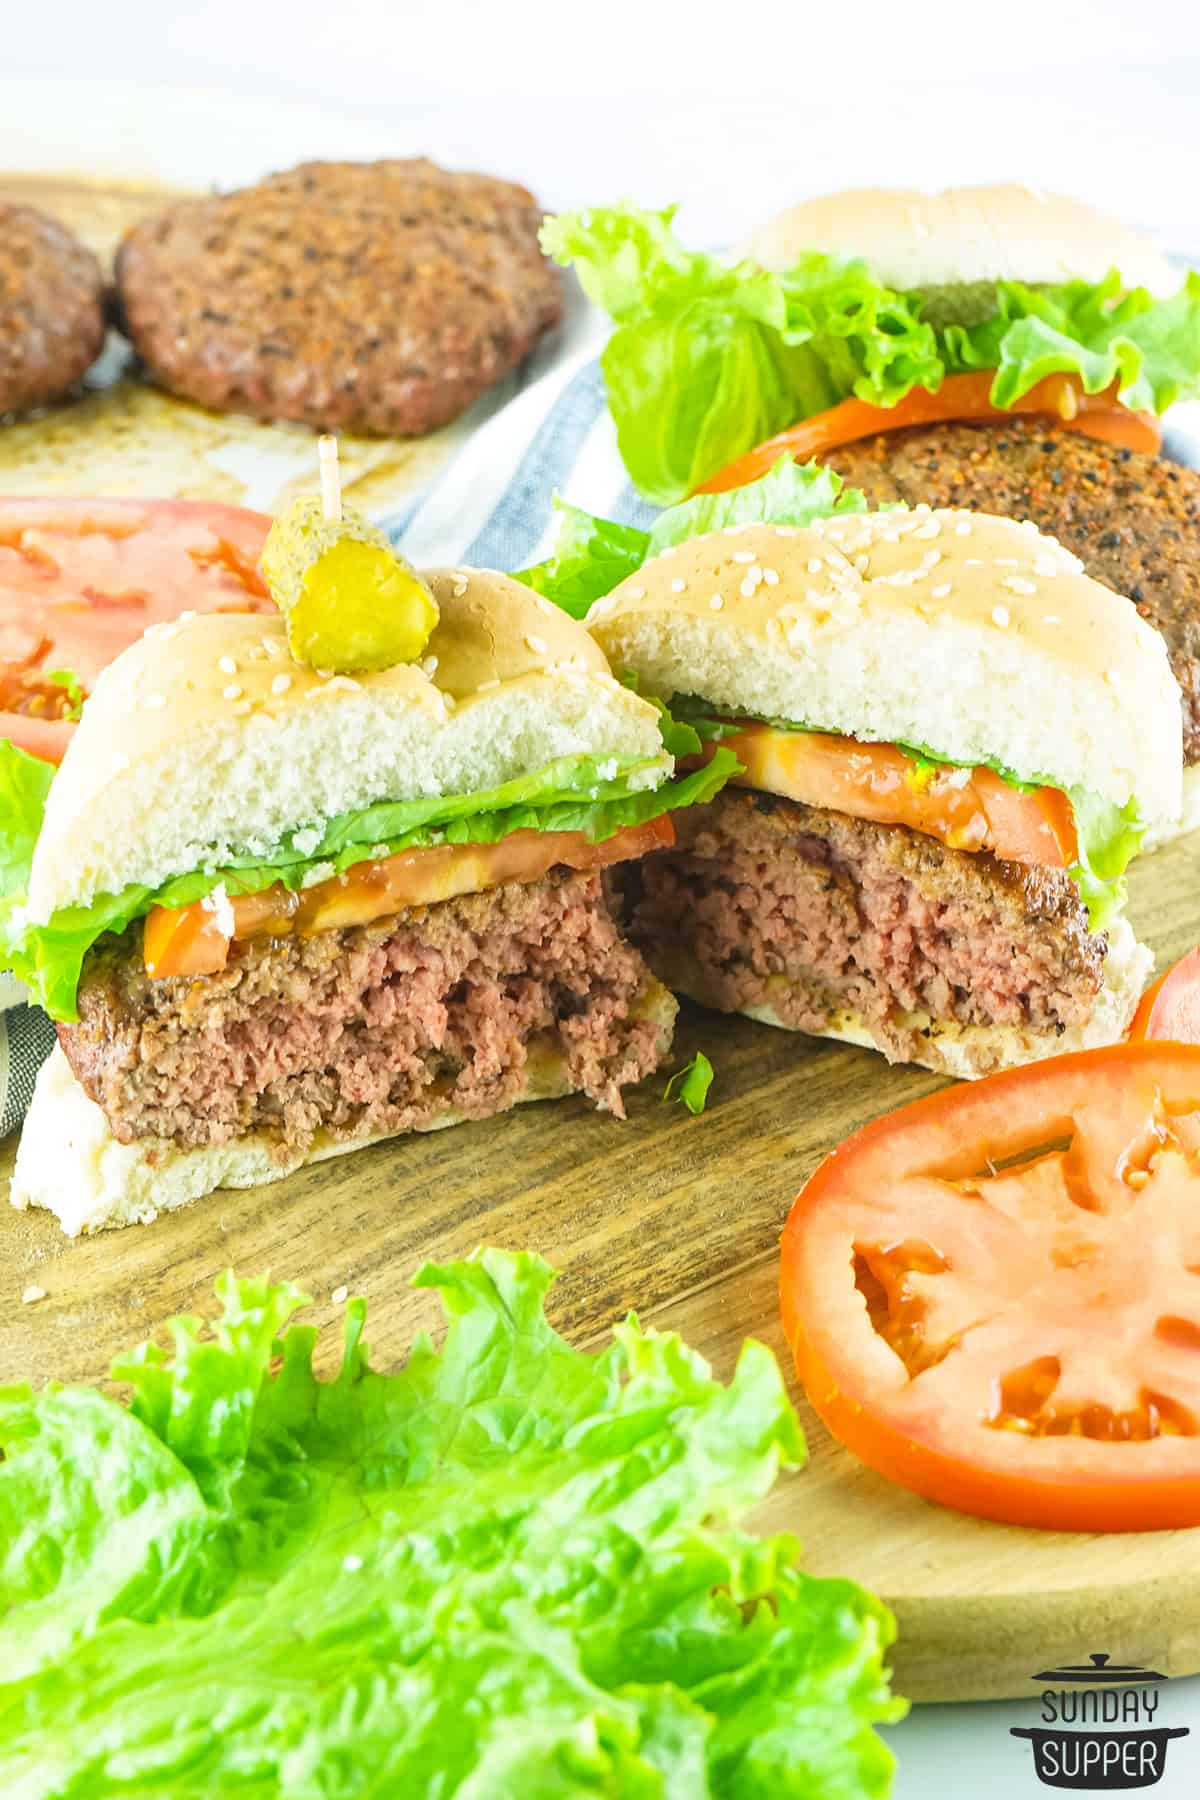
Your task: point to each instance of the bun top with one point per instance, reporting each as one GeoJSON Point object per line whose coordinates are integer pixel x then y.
{"type": "Point", "coordinates": [204, 741]}
{"type": "Point", "coordinates": [974, 636]}
{"type": "Point", "coordinates": [912, 239]}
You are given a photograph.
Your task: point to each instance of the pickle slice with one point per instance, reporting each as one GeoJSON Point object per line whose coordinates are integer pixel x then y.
{"type": "Point", "coordinates": [350, 602]}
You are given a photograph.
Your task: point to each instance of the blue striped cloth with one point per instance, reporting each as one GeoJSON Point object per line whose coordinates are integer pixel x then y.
{"type": "Point", "coordinates": [492, 507]}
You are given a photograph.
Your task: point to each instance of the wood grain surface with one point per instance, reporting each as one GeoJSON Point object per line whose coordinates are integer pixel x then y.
{"type": "Point", "coordinates": [678, 1218]}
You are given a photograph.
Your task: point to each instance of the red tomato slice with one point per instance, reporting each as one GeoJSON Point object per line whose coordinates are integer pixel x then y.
{"type": "Point", "coordinates": [1171, 1008]}
{"type": "Point", "coordinates": [993, 1295]}
{"type": "Point", "coordinates": [81, 580]}
{"type": "Point", "coordinates": [967, 809]}
{"type": "Point", "coordinates": [195, 939]}
{"type": "Point", "coordinates": [1059, 397]}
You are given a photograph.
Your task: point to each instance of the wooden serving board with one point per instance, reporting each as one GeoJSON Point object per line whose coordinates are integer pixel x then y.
{"type": "Point", "coordinates": [678, 1218]}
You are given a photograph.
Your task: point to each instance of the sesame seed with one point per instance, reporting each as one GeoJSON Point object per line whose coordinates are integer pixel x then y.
{"type": "Point", "coordinates": [32, 1293]}
{"type": "Point", "coordinates": [155, 701]}
{"type": "Point", "coordinates": [538, 645]}
{"type": "Point", "coordinates": [346, 682]}
{"type": "Point", "coordinates": [862, 562]}
{"type": "Point", "coordinates": [940, 593]}
{"type": "Point", "coordinates": [485, 687]}
{"type": "Point", "coordinates": [973, 562]}
{"type": "Point", "coordinates": [1007, 562]}
{"type": "Point", "coordinates": [922, 506]}
{"type": "Point", "coordinates": [931, 559]}
{"type": "Point", "coordinates": [325, 674]}
{"type": "Point", "coordinates": [340, 1295]}
{"type": "Point", "coordinates": [637, 593]}
{"type": "Point", "coordinates": [459, 587]}
{"type": "Point", "coordinates": [814, 565]}
{"type": "Point", "coordinates": [1112, 676]}
{"type": "Point", "coordinates": [449, 702]}
{"type": "Point", "coordinates": [1000, 615]}
{"type": "Point", "coordinates": [281, 684]}
{"type": "Point", "coordinates": [771, 577]}
{"type": "Point", "coordinates": [1017, 584]}
{"type": "Point", "coordinates": [227, 666]}
{"type": "Point", "coordinates": [678, 585]}
{"type": "Point", "coordinates": [746, 556]}
{"type": "Point", "coordinates": [273, 647]}
{"type": "Point", "coordinates": [232, 692]}
{"type": "Point", "coordinates": [930, 529]}
{"type": "Point", "coordinates": [717, 602]}
{"type": "Point", "coordinates": [890, 537]}
{"type": "Point", "coordinates": [748, 588]}
{"type": "Point", "coordinates": [787, 531]}
{"type": "Point", "coordinates": [963, 528]}
{"type": "Point", "coordinates": [1051, 619]}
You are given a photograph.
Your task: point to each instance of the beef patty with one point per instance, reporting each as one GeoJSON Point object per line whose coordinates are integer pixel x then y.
{"type": "Point", "coordinates": [371, 1029]}
{"type": "Point", "coordinates": [769, 903]}
{"type": "Point", "coordinates": [1133, 520]}
{"type": "Point", "coordinates": [373, 297]}
{"type": "Point", "coordinates": [51, 309]}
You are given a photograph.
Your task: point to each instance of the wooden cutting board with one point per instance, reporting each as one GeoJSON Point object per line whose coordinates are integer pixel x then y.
{"type": "Point", "coordinates": [678, 1218]}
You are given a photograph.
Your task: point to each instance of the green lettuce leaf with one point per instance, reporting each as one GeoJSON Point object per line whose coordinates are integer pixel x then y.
{"type": "Point", "coordinates": [590, 794]}
{"type": "Point", "coordinates": [690, 1084]}
{"type": "Point", "coordinates": [592, 556]}
{"type": "Point", "coordinates": [1109, 838]}
{"type": "Point", "coordinates": [24, 788]}
{"type": "Point", "coordinates": [710, 357]}
{"type": "Point", "coordinates": [509, 1567]}
{"type": "Point", "coordinates": [1100, 332]}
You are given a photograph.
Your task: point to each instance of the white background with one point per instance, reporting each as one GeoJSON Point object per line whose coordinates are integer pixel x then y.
{"type": "Point", "coordinates": [734, 111]}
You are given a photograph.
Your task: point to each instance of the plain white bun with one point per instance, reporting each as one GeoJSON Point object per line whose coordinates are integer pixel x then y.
{"type": "Point", "coordinates": [1166, 831]}
{"type": "Point", "coordinates": [69, 1163]}
{"type": "Point", "coordinates": [204, 741]}
{"type": "Point", "coordinates": [913, 239]}
{"type": "Point", "coordinates": [975, 637]}
{"type": "Point", "coordinates": [965, 1052]}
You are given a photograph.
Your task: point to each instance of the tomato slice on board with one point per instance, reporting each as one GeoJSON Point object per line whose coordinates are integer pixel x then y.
{"type": "Point", "coordinates": [1058, 397]}
{"type": "Point", "coordinates": [1171, 1007]}
{"type": "Point", "coordinates": [81, 580]}
{"type": "Point", "coordinates": [966, 809]}
{"type": "Point", "coordinates": [993, 1294]}
{"type": "Point", "coordinates": [195, 939]}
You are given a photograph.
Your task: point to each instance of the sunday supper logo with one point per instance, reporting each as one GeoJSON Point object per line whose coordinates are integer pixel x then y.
{"type": "Point", "coordinates": [1099, 1727]}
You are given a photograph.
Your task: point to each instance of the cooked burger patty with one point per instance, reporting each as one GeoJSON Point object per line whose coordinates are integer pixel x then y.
{"type": "Point", "coordinates": [766, 903]}
{"type": "Point", "coordinates": [373, 297]}
{"type": "Point", "coordinates": [51, 309]}
{"type": "Point", "coordinates": [1133, 520]}
{"type": "Point", "coordinates": [372, 1029]}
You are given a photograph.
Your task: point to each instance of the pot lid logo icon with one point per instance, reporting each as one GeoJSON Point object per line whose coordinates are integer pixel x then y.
{"type": "Point", "coordinates": [1100, 1726]}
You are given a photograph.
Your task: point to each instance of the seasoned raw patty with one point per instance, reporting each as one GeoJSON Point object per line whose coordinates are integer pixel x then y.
{"type": "Point", "coordinates": [1133, 520]}
{"type": "Point", "coordinates": [51, 309]}
{"type": "Point", "coordinates": [766, 903]}
{"type": "Point", "coordinates": [372, 1029]}
{"type": "Point", "coordinates": [371, 297]}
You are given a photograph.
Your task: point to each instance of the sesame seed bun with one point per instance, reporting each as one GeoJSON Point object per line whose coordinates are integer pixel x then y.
{"type": "Point", "coordinates": [206, 742]}
{"type": "Point", "coordinates": [973, 636]}
{"type": "Point", "coordinates": [912, 239]}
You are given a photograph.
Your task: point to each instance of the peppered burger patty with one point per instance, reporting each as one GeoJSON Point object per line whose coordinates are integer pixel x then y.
{"type": "Point", "coordinates": [767, 903]}
{"type": "Point", "coordinates": [372, 1029]}
{"type": "Point", "coordinates": [51, 309]}
{"type": "Point", "coordinates": [1133, 520]}
{"type": "Point", "coordinates": [371, 297]}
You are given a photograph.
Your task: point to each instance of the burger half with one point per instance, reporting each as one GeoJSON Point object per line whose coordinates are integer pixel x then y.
{"type": "Point", "coordinates": [279, 913]}
{"type": "Point", "coordinates": [952, 741]}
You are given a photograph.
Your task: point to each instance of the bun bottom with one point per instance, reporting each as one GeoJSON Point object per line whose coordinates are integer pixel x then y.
{"type": "Point", "coordinates": [967, 1052]}
{"type": "Point", "coordinates": [1189, 817]}
{"type": "Point", "coordinates": [69, 1162]}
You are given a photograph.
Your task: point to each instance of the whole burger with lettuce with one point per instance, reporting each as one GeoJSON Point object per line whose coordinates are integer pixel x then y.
{"type": "Point", "coordinates": [996, 348]}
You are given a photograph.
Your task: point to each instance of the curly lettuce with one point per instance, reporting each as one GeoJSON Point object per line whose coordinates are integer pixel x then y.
{"type": "Point", "coordinates": [508, 1567]}
{"type": "Point", "coordinates": [710, 356]}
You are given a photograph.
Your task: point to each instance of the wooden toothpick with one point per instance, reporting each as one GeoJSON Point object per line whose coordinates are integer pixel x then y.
{"type": "Point", "coordinates": [331, 484]}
